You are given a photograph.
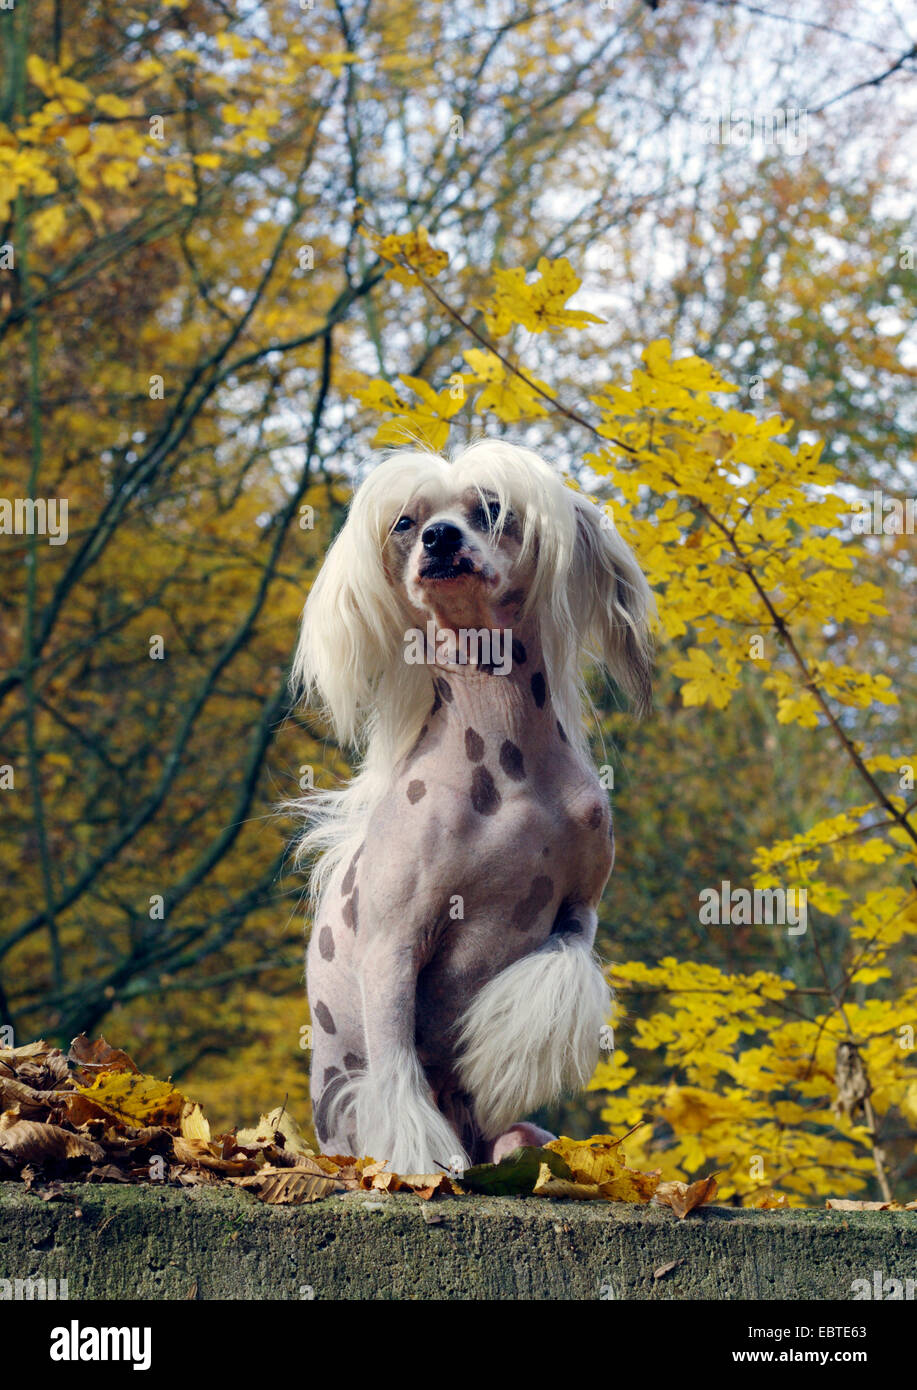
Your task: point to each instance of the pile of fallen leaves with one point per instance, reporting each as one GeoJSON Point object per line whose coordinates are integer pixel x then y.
{"type": "Point", "coordinates": [91, 1115]}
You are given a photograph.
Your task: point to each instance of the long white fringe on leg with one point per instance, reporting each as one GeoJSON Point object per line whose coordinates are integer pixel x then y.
{"type": "Point", "coordinates": [533, 1032]}
{"type": "Point", "coordinates": [396, 1118]}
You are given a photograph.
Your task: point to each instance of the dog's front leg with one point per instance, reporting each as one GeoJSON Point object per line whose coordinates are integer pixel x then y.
{"type": "Point", "coordinates": [396, 1116]}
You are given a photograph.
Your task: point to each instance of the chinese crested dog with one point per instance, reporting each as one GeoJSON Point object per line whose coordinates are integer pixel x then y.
{"type": "Point", "coordinates": [451, 975]}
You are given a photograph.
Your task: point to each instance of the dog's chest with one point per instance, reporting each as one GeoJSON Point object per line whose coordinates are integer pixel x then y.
{"type": "Point", "coordinates": [482, 843]}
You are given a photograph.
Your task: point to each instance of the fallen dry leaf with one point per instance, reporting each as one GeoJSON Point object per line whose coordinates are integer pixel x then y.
{"type": "Point", "coordinates": [843, 1204]}
{"type": "Point", "coordinates": [548, 1185]}
{"type": "Point", "coordinates": [684, 1197]}
{"type": "Point", "coordinates": [107, 1172]}
{"type": "Point", "coordinates": [30, 1141]}
{"type": "Point", "coordinates": [32, 1103]}
{"type": "Point", "coordinates": [772, 1201]}
{"type": "Point", "coordinates": [93, 1058]}
{"type": "Point", "coordinates": [137, 1100]}
{"type": "Point", "coordinates": [200, 1153]}
{"type": "Point", "coordinates": [601, 1162]}
{"type": "Point", "coordinates": [278, 1122]}
{"type": "Point", "coordinates": [278, 1186]}
{"type": "Point", "coordinates": [193, 1123]}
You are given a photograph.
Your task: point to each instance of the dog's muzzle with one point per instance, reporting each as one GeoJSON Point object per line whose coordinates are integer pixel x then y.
{"type": "Point", "coordinates": [443, 557]}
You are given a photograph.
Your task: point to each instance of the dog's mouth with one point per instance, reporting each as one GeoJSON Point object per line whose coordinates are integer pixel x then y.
{"type": "Point", "coordinates": [445, 569]}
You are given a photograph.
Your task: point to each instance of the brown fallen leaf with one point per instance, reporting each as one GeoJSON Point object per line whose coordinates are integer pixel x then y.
{"type": "Point", "coordinates": [663, 1270]}
{"type": "Point", "coordinates": [38, 1064]}
{"type": "Point", "coordinates": [107, 1172]}
{"type": "Point", "coordinates": [630, 1185]}
{"type": "Point", "coordinates": [426, 1184]}
{"type": "Point", "coordinates": [199, 1153]}
{"type": "Point", "coordinates": [684, 1197]}
{"type": "Point", "coordinates": [548, 1185]}
{"type": "Point", "coordinates": [93, 1058]}
{"type": "Point", "coordinates": [194, 1177]}
{"type": "Point", "coordinates": [127, 1140]}
{"type": "Point", "coordinates": [843, 1204]}
{"type": "Point", "coordinates": [51, 1192]}
{"type": "Point", "coordinates": [33, 1104]}
{"type": "Point", "coordinates": [78, 1110]}
{"type": "Point", "coordinates": [772, 1201]}
{"type": "Point", "coordinates": [349, 1175]}
{"type": "Point", "coordinates": [291, 1186]}
{"type": "Point", "coordinates": [25, 1052]}
{"type": "Point", "coordinates": [30, 1141]}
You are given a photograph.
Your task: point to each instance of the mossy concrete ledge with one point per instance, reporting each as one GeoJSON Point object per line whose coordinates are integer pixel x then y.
{"type": "Point", "coordinates": [216, 1243]}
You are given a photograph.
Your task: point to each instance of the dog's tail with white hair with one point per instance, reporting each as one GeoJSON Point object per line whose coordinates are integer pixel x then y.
{"type": "Point", "coordinates": [533, 1032]}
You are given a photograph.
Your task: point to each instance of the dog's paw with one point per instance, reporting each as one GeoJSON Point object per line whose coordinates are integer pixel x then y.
{"type": "Point", "coordinates": [518, 1136]}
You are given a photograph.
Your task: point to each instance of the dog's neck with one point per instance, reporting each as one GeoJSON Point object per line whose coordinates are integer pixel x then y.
{"type": "Point", "coordinates": [518, 704]}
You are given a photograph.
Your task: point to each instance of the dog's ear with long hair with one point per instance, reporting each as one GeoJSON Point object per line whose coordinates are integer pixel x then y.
{"type": "Point", "coordinates": [351, 629]}
{"type": "Point", "coordinates": [612, 603]}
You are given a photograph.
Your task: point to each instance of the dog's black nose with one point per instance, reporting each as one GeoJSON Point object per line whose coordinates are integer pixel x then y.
{"type": "Point", "coordinates": [442, 538]}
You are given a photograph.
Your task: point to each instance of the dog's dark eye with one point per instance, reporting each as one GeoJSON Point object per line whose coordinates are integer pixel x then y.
{"type": "Point", "coordinates": [486, 516]}
{"type": "Point", "coordinates": [404, 523]}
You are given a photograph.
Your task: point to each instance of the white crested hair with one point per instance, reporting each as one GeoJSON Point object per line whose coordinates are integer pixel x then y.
{"type": "Point", "coordinates": [588, 592]}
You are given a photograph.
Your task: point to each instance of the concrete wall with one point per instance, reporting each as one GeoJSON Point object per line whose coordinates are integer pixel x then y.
{"type": "Point", "coordinates": [208, 1243]}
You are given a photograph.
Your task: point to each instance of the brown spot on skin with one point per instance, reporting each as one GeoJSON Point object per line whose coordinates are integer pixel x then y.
{"type": "Point", "coordinates": [326, 943]}
{"type": "Point", "coordinates": [323, 1018]}
{"type": "Point", "coordinates": [595, 817]}
{"type": "Point", "coordinates": [349, 912]}
{"type": "Point", "coordinates": [444, 689]}
{"type": "Point", "coordinates": [539, 689]}
{"type": "Point", "coordinates": [512, 762]}
{"type": "Point", "coordinates": [330, 1074]}
{"type": "Point", "coordinates": [484, 795]}
{"type": "Point", "coordinates": [353, 1061]}
{"type": "Point", "coordinates": [560, 730]}
{"type": "Point", "coordinates": [474, 746]}
{"type": "Point", "coordinates": [416, 790]}
{"type": "Point", "coordinates": [347, 881]}
{"type": "Point", "coordinates": [519, 652]}
{"type": "Point", "coordinates": [525, 913]}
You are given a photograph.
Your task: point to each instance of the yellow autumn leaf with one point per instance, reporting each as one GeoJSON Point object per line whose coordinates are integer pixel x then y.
{"type": "Point", "coordinates": [703, 681]}
{"type": "Point", "coordinates": [112, 105]}
{"type": "Point", "coordinates": [40, 73]}
{"type": "Point", "coordinates": [77, 139]}
{"type": "Point", "coordinates": [48, 224]}
{"type": "Point", "coordinates": [137, 1099]}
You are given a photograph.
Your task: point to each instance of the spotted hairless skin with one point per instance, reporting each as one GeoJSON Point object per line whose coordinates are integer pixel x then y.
{"type": "Point", "coordinates": [490, 846]}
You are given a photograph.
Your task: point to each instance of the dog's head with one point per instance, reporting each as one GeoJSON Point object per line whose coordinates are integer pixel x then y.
{"type": "Point", "coordinates": [458, 553]}
{"type": "Point", "coordinates": [492, 538]}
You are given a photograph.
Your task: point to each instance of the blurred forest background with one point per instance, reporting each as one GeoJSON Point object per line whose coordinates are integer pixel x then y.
{"type": "Point", "coordinates": [189, 305]}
